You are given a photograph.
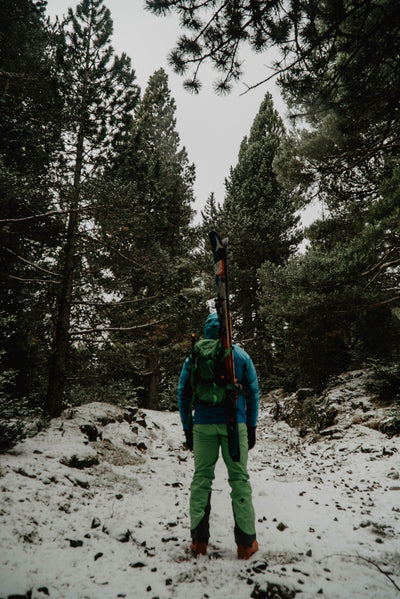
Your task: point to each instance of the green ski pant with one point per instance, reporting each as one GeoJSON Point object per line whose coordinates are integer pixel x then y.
{"type": "Point", "coordinates": [207, 439]}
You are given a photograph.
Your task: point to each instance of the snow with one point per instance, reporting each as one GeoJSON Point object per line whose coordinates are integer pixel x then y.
{"type": "Point", "coordinates": [328, 513]}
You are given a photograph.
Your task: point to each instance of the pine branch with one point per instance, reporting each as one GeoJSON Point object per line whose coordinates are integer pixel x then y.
{"type": "Point", "coordinates": [119, 329]}
{"type": "Point", "coordinates": [42, 215]}
{"type": "Point", "coordinates": [381, 266]}
{"type": "Point", "coordinates": [14, 277]}
{"type": "Point", "coordinates": [115, 304]}
{"type": "Point", "coordinates": [387, 302]}
{"type": "Point", "coordinates": [35, 266]}
{"type": "Point", "coordinates": [17, 75]}
{"type": "Point", "coordinates": [109, 246]}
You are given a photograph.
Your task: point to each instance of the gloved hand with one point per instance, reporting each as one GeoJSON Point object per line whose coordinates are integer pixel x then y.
{"type": "Point", "coordinates": [251, 436]}
{"type": "Point", "coordinates": [189, 439]}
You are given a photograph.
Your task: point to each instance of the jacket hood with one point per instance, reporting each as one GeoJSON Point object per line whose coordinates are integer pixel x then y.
{"type": "Point", "coordinates": [211, 327]}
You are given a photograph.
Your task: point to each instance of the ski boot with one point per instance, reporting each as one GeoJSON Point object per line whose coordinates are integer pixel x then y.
{"type": "Point", "coordinates": [244, 552]}
{"type": "Point", "coordinates": [198, 547]}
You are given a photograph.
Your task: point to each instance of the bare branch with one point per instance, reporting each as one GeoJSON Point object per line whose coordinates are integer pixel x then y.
{"type": "Point", "coordinates": [43, 215]}
{"type": "Point", "coordinates": [387, 302]}
{"type": "Point", "coordinates": [381, 266]}
{"type": "Point", "coordinates": [277, 71]}
{"type": "Point", "coordinates": [115, 304]}
{"type": "Point", "coordinates": [369, 561]}
{"type": "Point", "coordinates": [36, 266]}
{"type": "Point", "coordinates": [119, 329]}
{"type": "Point", "coordinates": [16, 75]}
{"type": "Point", "coordinates": [55, 282]}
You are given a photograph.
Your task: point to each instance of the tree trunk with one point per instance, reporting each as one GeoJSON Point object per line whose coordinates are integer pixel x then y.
{"type": "Point", "coordinates": [59, 358]}
{"type": "Point", "coordinates": [153, 368]}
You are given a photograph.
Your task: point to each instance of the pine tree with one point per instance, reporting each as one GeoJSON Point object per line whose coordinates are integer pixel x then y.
{"type": "Point", "coordinates": [154, 291]}
{"type": "Point", "coordinates": [160, 164]}
{"type": "Point", "coordinates": [30, 132]}
{"type": "Point", "coordinates": [211, 213]}
{"type": "Point", "coordinates": [334, 307]}
{"type": "Point", "coordinates": [260, 220]}
{"type": "Point", "coordinates": [99, 96]}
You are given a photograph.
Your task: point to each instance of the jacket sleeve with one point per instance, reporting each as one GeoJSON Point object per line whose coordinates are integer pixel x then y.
{"type": "Point", "coordinates": [184, 394]}
{"type": "Point", "coordinates": [251, 391]}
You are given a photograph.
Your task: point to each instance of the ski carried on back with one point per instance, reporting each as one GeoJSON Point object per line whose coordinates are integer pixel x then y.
{"type": "Point", "coordinates": [221, 278]}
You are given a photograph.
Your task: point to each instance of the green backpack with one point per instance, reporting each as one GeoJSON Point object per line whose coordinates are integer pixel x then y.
{"type": "Point", "coordinates": [207, 371]}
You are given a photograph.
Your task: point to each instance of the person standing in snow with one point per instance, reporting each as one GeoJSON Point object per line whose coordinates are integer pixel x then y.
{"type": "Point", "coordinates": [207, 434]}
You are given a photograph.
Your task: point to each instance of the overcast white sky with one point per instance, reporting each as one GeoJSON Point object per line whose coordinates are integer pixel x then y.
{"type": "Point", "coordinates": [210, 127]}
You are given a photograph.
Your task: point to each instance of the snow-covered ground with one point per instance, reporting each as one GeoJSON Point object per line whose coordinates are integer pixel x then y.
{"type": "Point", "coordinates": [108, 518]}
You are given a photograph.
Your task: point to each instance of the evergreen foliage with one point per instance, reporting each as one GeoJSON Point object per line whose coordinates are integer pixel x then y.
{"type": "Point", "coordinates": [333, 306]}
{"type": "Point", "coordinates": [259, 214]}
{"type": "Point", "coordinates": [151, 274]}
{"type": "Point", "coordinates": [29, 132]}
{"type": "Point", "coordinates": [11, 427]}
{"type": "Point", "coordinates": [332, 55]}
{"type": "Point", "coordinates": [386, 381]}
{"type": "Point", "coordinates": [336, 305]}
{"type": "Point", "coordinates": [99, 95]}
{"type": "Point", "coordinates": [101, 268]}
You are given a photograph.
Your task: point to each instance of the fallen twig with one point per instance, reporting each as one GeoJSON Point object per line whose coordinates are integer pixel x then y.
{"type": "Point", "coordinates": [369, 561]}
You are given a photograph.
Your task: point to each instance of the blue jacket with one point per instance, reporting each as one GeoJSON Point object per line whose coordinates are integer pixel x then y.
{"type": "Point", "coordinates": [247, 404]}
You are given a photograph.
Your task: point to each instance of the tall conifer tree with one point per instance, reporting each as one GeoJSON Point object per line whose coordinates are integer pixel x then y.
{"type": "Point", "coordinates": [99, 95]}
{"type": "Point", "coordinates": [260, 221]}
{"type": "Point", "coordinates": [29, 132]}
{"type": "Point", "coordinates": [152, 228]}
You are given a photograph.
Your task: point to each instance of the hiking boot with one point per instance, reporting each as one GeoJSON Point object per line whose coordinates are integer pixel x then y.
{"type": "Point", "coordinates": [245, 552]}
{"type": "Point", "coordinates": [198, 547]}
